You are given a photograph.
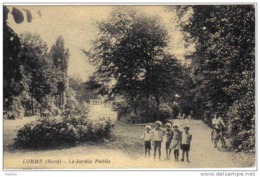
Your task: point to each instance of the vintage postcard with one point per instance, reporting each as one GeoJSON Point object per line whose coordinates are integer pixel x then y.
{"type": "Point", "coordinates": [129, 86]}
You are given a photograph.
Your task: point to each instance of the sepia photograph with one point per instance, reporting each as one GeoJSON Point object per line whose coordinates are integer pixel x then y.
{"type": "Point", "coordinates": [91, 87]}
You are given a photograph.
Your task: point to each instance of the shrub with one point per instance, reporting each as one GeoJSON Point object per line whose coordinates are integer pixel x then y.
{"type": "Point", "coordinates": [60, 131]}
{"type": "Point", "coordinates": [242, 124]}
{"type": "Point", "coordinates": [165, 112]}
{"type": "Point", "coordinates": [146, 110]}
{"type": "Point", "coordinates": [93, 130]}
{"type": "Point", "coordinates": [44, 133]}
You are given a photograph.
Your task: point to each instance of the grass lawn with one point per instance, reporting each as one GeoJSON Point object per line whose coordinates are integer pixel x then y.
{"type": "Point", "coordinates": [126, 137]}
{"type": "Point", "coordinates": [10, 129]}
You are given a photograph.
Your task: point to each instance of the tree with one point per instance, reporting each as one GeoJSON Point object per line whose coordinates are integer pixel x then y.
{"type": "Point", "coordinates": [15, 83]}
{"type": "Point", "coordinates": [60, 58]}
{"type": "Point", "coordinates": [84, 90]}
{"type": "Point", "coordinates": [224, 62]}
{"type": "Point", "coordinates": [131, 58]}
{"type": "Point", "coordinates": [187, 104]}
{"type": "Point", "coordinates": [35, 66]}
{"type": "Point", "coordinates": [11, 69]}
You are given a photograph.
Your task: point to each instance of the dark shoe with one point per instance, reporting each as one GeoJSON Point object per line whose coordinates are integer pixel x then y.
{"type": "Point", "coordinates": [182, 160]}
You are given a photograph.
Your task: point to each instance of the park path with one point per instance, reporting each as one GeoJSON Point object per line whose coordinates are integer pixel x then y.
{"type": "Point", "coordinates": [202, 155]}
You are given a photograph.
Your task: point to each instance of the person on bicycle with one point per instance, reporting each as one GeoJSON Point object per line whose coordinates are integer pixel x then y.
{"type": "Point", "coordinates": [218, 126]}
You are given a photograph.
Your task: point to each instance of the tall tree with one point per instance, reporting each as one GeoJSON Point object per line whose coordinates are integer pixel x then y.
{"type": "Point", "coordinates": [224, 62]}
{"type": "Point", "coordinates": [60, 58]}
{"type": "Point", "coordinates": [11, 69]}
{"type": "Point", "coordinates": [225, 55]}
{"type": "Point", "coordinates": [131, 59]}
{"type": "Point", "coordinates": [35, 65]}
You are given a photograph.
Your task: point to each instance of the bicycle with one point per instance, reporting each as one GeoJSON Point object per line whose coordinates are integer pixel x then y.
{"type": "Point", "coordinates": [220, 139]}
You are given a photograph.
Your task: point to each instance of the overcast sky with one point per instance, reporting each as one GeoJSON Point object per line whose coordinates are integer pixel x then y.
{"type": "Point", "coordinates": [77, 26]}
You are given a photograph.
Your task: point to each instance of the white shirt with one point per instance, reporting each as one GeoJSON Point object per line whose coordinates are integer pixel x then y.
{"type": "Point", "coordinates": [146, 136]}
{"type": "Point", "coordinates": [157, 134]}
{"type": "Point", "coordinates": [186, 138]}
{"type": "Point", "coordinates": [217, 122]}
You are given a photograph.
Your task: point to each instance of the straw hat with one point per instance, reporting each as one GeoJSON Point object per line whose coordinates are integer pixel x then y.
{"type": "Point", "coordinates": [168, 124]}
{"type": "Point", "coordinates": [175, 126]}
{"type": "Point", "coordinates": [148, 127]}
{"type": "Point", "coordinates": [186, 127]}
{"type": "Point", "coordinates": [158, 122]}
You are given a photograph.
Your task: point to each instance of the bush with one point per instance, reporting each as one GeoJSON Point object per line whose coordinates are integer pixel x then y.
{"type": "Point", "coordinates": [44, 133]}
{"type": "Point", "coordinates": [243, 138]}
{"type": "Point", "coordinates": [16, 111]}
{"type": "Point", "coordinates": [242, 124]}
{"type": "Point", "coordinates": [145, 111]}
{"type": "Point", "coordinates": [60, 131]}
{"type": "Point", "coordinates": [94, 130]}
{"type": "Point", "coordinates": [165, 112]}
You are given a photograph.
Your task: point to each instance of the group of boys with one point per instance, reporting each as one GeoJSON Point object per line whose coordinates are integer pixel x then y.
{"type": "Point", "coordinates": [174, 140]}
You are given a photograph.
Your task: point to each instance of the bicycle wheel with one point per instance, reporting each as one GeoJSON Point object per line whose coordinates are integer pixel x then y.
{"type": "Point", "coordinates": [217, 142]}
{"type": "Point", "coordinates": [213, 136]}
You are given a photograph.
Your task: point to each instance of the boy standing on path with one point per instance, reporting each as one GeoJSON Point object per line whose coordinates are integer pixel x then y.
{"type": "Point", "coordinates": [176, 141]}
{"type": "Point", "coordinates": [169, 135]}
{"type": "Point", "coordinates": [157, 138]}
{"type": "Point", "coordinates": [185, 142]}
{"type": "Point", "coordinates": [146, 137]}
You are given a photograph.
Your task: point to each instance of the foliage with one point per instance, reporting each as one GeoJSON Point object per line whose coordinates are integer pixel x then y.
{"type": "Point", "coordinates": [71, 128]}
{"type": "Point", "coordinates": [34, 61]}
{"type": "Point", "coordinates": [186, 103]}
{"type": "Point", "coordinates": [46, 133]}
{"type": "Point", "coordinates": [14, 81]}
{"type": "Point", "coordinates": [223, 64]}
{"type": "Point", "coordinates": [166, 112]}
{"type": "Point", "coordinates": [82, 89]}
{"type": "Point", "coordinates": [11, 69]}
{"type": "Point", "coordinates": [145, 109]}
{"type": "Point", "coordinates": [71, 99]}
{"type": "Point", "coordinates": [35, 78]}
{"type": "Point", "coordinates": [60, 58]}
{"type": "Point", "coordinates": [132, 62]}
{"type": "Point", "coordinates": [242, 124]}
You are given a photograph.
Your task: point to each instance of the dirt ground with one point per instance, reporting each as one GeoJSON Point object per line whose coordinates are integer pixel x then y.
{"type": "Point", "coordinates": [124, 151]}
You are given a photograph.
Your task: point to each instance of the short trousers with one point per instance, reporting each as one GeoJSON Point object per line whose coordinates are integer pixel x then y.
{"type": "Point", "coordinates": [168, 143]}
{"type": "Point", "coordinates": [157, 144]}
{"type": "Point", "coordinates": [185, 147]}
{"type": "Point", "coordinates": [147, 145]}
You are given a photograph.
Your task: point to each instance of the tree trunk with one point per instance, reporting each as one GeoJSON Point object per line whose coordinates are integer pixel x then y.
{"type": "Point", "coordinates": [32, 97]}
{"type": "Point", "coordinates": [64, 100]}
{"type": "Point", "coordinates": [157, 99]}
{"type": "Point", "coordinates": [61, 101]}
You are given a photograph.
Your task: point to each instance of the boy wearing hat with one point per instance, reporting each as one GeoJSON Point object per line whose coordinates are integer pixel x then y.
{"type": "Point", "coordinates": [157, 138]}
{"type": "Point", "coordinates": [146, 137]}
{"type": "Point", "coordinates": [176, 141]}
{"type": "Point", "coordinates": [185, 142]}
{"type": "Point", "coordinates": [168, 134]}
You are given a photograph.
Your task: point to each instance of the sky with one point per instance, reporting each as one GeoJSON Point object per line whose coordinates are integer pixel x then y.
{"type": "Point", "coordinates": [77, 25]}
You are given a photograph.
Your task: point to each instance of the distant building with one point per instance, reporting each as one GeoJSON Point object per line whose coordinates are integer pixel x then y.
{"type": "Point", "coordinates": [98, 108]}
